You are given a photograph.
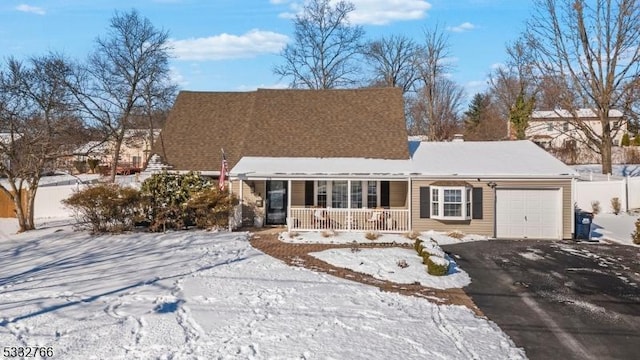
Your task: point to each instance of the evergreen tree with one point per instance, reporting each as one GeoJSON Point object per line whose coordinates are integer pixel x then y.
{"type": "Point", "coordinates": [477, 108]}
{"type": "Point", "coordinates": [626, 141]}
{"type": "Point", "coordinates": [520, 113]}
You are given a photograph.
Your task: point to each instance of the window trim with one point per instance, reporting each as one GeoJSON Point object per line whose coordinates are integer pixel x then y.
{"type": "Point", "coordinates": [437, 205]}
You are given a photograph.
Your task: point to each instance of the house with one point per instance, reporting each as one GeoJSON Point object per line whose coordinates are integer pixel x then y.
{"type": "Point", "coordinates": [340, 159]}
{"type": "Point", "coordinates": [134, 151]}
{"type": "Point", "coordinates": [554, 128]}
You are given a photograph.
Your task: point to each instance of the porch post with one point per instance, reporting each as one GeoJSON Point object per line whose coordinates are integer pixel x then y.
{"type": "Point", "coordinates": [410, 203]}
{"type": "Point", "coordinates": [241, 202]}
{"type": "Point", "coordinates": [289, 205]}
{"type": "Point", "coordinates": [349, 215]}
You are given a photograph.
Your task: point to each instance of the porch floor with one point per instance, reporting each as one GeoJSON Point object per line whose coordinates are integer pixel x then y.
{"type": "Point", "coordinates": [266, 240]}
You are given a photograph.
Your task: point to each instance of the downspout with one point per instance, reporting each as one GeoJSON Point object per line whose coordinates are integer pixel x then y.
{"type": "Point", "coordinates": [410, 203]}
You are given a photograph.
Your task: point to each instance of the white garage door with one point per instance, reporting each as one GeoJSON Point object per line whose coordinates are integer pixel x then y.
{"type": "Point", "coordinates": [529, 213]}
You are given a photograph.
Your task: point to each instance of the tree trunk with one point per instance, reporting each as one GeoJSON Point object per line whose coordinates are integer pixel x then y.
{"type": "Point", "coordinates": [116, 157]}
{"type": "Point", "coordinates": [24, 221]}
{"type": "Point", "coordinates": [605, 148]}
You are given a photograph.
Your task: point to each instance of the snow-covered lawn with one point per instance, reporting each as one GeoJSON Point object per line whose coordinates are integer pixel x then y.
{"type": "Point", "coordinates": [319, 237]}
{"type": "Point", "coordinates": [612, 227]}
{"type": "Point", "coordinates": [205, 295]}
{"type": "Point", "coordinates": [383, 264]}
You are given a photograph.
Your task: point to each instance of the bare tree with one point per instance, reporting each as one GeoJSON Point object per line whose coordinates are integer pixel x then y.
{"type": "Point", "coordinates": [482, 121]}
{"type": "Point", "coordinates": [438, 100]}
{"type": "Point", "coordinates": [38, 127]}
{"type": "Point", "coordinates": [128, 70]}
{"type": "Point", "coordinates": [592, 47]}
{"type": "Point", "coordinates": [325, 46]}
{"type": "Point", "coordinates": [393, 61]}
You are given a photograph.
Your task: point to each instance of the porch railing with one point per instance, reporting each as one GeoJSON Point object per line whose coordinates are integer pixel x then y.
{"type": "Point", "coordinates": [380, 220]}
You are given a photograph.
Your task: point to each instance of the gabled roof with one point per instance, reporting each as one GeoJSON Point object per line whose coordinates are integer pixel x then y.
{"type": "Point", "coordinates": [445, 160]}
{"type": "Point", "coordinates": [581, 113]}
{"type": "Point", "coordinates": [349, 123]}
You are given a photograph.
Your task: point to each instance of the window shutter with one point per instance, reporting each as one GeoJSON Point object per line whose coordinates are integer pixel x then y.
{"type": "Point", "coordinates": [384, 194]}
{"type": "Point", "coordinates": [476, 203]}
{"type": "Point", "coordinates": [425, 202]}
{"type": "Point", "coordinates": [308, 193]}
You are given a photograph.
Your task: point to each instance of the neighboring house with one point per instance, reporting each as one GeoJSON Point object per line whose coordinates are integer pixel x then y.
{"type": "Point", "coordinates": [554, 128]}
{"type": "Point", "coordinates": [340, 159]}
{"type": "Point", "coordinates": [134, 151]}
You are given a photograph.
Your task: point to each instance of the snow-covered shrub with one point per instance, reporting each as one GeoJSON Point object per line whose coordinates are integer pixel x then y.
{"type": "Point", "coordinates": [371, 235]}
{"type": "Point", "coordinates": [456, 234]}
{"type": "Point", "coordinates": [616, 206]}
{"type": "Point", "coordinates": [431, 248]}
{"type": "Point", "coordinates": [328, 233]}
{"type": "Point", "coordinates": [210, 208]}
{"type": "Point", "coordinates": [417, 245]}
{"type": "Point", "coordinates": [595, 207]}
{"type": "Point", "coordinates": [293, 234]}
{"type": "Point", "coordinates": [437, 266]}
{"type": "Point", "coordinates": [106, 207]}
{"type": "Point", "coordinates": [402, 263]}
{"type": "Point", "coordinates": [412, 235]}
{"type": "Point", "coordinates": [165, 196]}
{"type": "Point", "coordinates": [635, 236]}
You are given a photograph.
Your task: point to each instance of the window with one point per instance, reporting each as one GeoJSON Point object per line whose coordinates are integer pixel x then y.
{"type": "Point", "coordinates": [451, 202]}
{"type": "Point", "coordinates": [339, 199]}
{"type": "Point", "coordinates": [322, 194]}
{"type": "Point", "coordinates": [136, 161]}
{"type": "Point", "coordinates": [434, 201]}
{"type": "Point", "coordinates": [372, 194]}
{"type": "Point", "coordinates": [356, 194]}
{"type": "Point", "coordinates": [549, 126]}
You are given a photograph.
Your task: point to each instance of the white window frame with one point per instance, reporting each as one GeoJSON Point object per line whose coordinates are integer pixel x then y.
{"type": "Point", "coordinates": [329, 194]}
{"type": "Point", "coordinates": [437, 206]}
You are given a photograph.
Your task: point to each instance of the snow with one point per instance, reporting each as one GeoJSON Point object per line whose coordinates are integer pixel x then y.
{"type": "Point", "coordinates": [206, 295]}
{"type": "Point", "coordinates": [383, 264]}
{"type": "Point", "coordinates": [439, 260]}
{"type": "Point", "coordinates": [442, 159]}
{"type": "Point", "coordinates": [617, 228]}
{"type": "Point", "coordinates": [316, 237]}
{"type": "Point", "coordinates": [619, 170]}
{"type": "Point", "coordinates": [581, 113]}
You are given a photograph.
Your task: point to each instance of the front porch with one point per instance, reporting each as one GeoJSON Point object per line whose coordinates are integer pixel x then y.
{"type": "Point", "coordinates": [358, 205]}
{"type": "Point", "coordinates": [379, 220]}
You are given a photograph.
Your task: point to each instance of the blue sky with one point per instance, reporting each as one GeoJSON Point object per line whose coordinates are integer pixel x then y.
{"type": "Point", "coordinates": [233, 45]}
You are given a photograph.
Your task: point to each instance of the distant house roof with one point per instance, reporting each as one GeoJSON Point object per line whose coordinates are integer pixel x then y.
{"type": "Point", "coordinates": [353, 123]}
{"type": "Point", "coordinates": [581, 113]}
{"type": "Point", "coordinates": [458, 159]}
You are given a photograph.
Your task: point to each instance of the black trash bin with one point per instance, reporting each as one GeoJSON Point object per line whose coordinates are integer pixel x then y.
{"type": "Point", "coordinates": [583, 225]}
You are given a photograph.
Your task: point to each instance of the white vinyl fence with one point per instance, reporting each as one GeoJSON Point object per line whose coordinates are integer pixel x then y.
{"type": "Point", "coordinates": [627, 190]}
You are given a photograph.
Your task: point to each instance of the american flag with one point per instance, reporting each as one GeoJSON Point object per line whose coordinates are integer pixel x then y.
{"type": "Point", "coordinates": [223, 172]}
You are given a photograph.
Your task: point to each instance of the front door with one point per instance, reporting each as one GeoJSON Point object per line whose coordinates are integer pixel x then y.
{"type": "Point", "coordinates": [276, 203]}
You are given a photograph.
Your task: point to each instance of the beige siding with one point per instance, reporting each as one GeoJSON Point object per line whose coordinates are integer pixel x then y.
{"type": "Point", "coordinates": [297, 193]}
{"type": "Point", "coordinates": [485, 226]}
{"type": "Point", "coordinates": [252, 210]}
{"type": "Point", "coordinates": [398, 194]}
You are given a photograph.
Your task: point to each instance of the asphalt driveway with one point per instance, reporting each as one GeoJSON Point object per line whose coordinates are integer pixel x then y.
{"type": "Point", "coordinates": [558, 300]}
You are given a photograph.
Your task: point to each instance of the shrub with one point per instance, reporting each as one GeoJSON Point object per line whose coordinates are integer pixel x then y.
{"type": "Point", "coordinates": [456, 234]}
{"type": "Point", "coordinates": [80, 166]}
{"type": "Point", "coordinates": [165, 197]}
{"type": "Point", "coordinates": [636, 140]}
{"type": "Point", "coordinates": [328, 233]}
{"type": "Point", "coordinates": [625, 141]}
{"type": "Point", "coordinates": [210, 208]}
{"type": "Point", "coordinates": [632, 155]}
{"type": "Point", "coordinates": [595, 207]}
{"type": "Point", "coordinates": [417, 245]}
{"type": "Point", "coordinates": [402, 263]}
{"type": "Point", "coordinates": [93, 165]}
{"type": "Point", "coordinates": [616, 206]}
{"type": "Point", "coordinates": [635, 236]}
{"type": "Point", "coordinates": [293, 234]}
{"type": "Point", "coordinates": [106, 207]}
{"type": "Point", "coordinates": [437, 266]}
{"type": "Point", "coordinates": [371, 235]}
{"type": "Point", "coordinates": [413, 235]}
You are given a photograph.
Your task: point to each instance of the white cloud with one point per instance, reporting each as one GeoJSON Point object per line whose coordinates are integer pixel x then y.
{"type": "Point", "coordinates": [373, 12]}
{"type": "Point", "coordinates": [465, 26]}
{"type": "Point", "coordinates": [228, 46]}
{"type": "Point", "coordinates": [31, 9]}
{"type": "Point", "coordinates": [177, 78]}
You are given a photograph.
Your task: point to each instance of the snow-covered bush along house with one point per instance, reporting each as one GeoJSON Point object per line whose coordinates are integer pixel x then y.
{"type": "Point", "coordinates": [340, 159]}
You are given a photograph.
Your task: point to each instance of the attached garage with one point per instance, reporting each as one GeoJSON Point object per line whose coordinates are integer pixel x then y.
{"type": "Point", "coordinates": [529, 213]}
